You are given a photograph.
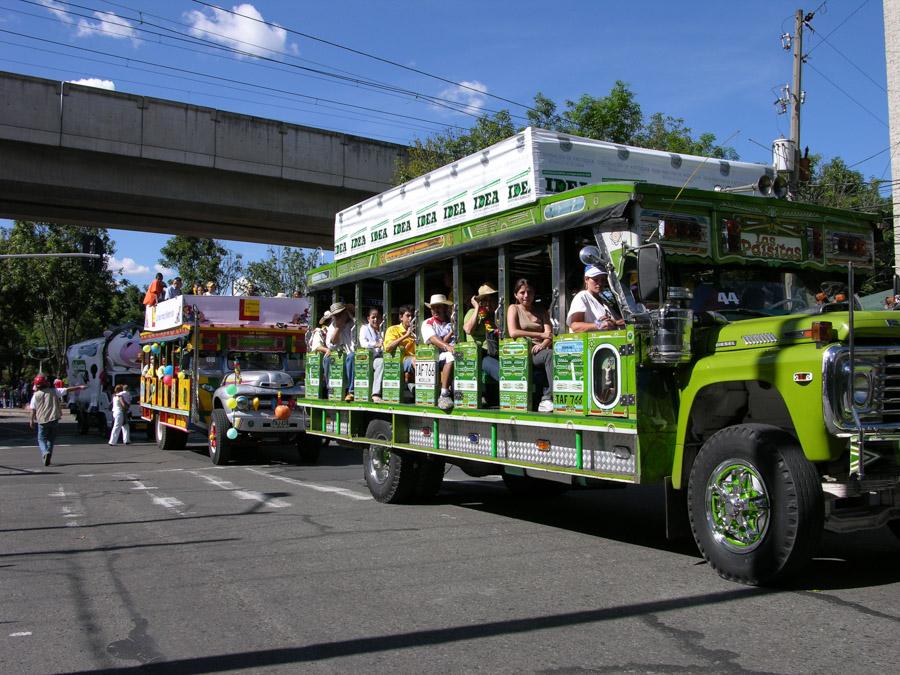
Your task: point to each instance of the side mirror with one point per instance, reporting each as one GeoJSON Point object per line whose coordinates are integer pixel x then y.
{"type": "Point", "coordinates": [651, 274]}
{"type": "Point", "coordinates": [590, 255]}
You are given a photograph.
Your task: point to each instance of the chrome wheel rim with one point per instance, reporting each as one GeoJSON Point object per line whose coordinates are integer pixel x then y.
{"type": "Point", "coordinates": [379, 463]}
{"type": "Point", "coordinates": [738, 507]}
{"type": "Point", "coordinates": [212, 439]}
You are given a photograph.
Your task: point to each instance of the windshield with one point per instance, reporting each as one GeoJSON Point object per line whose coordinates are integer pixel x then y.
{"type": "Point", "coordinates": [744, 293]}
{"type": "Point", "coordinates": [256, 360]}
{"type": "Point", "coordinates": [133, 382]}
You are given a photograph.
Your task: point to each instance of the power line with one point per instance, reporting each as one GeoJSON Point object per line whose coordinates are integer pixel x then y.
{"type": "Point", "coordinates": [833, 84]}
{"type": "Point", "coordinates": [315, 73]}
{"type": "Point", "coordinates": [224, 79]}
{"type": "Point", "coordinates": [833, 30]}
{"type": "Point", "coordinates": [847, 59]}
{"type": "Point", "coordinates": [361, 53]}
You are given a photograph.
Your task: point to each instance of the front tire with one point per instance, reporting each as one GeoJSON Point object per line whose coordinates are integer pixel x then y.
{"type": "Point", "coordinates": [220, 446]}
{"type": "Point", "coordinates": [390, 475]}
{"type": "Point", "coordinates": [755, 504]}
{"type": "Point", "coordinates": [168, 438]}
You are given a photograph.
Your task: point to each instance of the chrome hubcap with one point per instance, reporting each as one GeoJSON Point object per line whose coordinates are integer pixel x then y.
{"type": "Point", "coordinates": [379, 463]}
{"type": "Point", "coordinates": [737, 506]}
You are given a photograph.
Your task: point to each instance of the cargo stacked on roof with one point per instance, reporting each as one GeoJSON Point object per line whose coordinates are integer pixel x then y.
{"type": "Point", "coordinates": [518, 171]}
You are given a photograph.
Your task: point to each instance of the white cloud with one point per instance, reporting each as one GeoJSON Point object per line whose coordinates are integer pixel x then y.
{"type": "Point", "coordinates": [126, 267]}
{"type": "Point", "coordinates": [96, 82]}
{"type": "Point", "coordinates": [471, 95]}
{"type": "Point", "coordinates": [58, 10]}
{"type": "Point", "coordinates": [109, 25]}
{"type": "Point", "coordinates": [240, 32]}
{"type": "Point", "coordinates": [166, 271]}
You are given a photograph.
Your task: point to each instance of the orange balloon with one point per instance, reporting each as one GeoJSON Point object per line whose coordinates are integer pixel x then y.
{"type": "Point", "coordinates": [282, 412]}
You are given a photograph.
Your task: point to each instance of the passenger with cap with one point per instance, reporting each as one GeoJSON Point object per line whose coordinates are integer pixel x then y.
{"type": "Point", "coordinates": [480, 326]}
{"type": "Point", "coordinates": [340, 336]}
{"type": "Point", "coordinates": [590, 309]}
{"type": "Point", "coordinates": [438, 331]}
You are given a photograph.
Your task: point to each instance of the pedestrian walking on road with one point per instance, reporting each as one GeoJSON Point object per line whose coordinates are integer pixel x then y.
{"type": "Point", "coordinates": [121, 402]}
{"type": "Point", "coordinates": [46, 411]}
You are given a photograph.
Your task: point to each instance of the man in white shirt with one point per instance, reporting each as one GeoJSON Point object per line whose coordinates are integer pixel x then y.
{"type": "Point", "coordinates": [590, 310]}
{"type": "Point", "coordinates": [370, 338]}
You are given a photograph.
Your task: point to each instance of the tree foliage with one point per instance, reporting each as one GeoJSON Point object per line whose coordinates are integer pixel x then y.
{"type": "Point", "coordinates": [282, 271]}
{"type": "Point", "coordinates": [53, 302]}
{"type": "Point", "coordinates": [616, 117]}
{"type": "Point", "coordinates": [835, 184]}
{"type": "Point", "coordinates": [195, 259]}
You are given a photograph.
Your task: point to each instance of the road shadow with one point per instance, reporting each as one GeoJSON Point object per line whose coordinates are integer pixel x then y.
{"type": "Point", "coordinates": [264, 454]}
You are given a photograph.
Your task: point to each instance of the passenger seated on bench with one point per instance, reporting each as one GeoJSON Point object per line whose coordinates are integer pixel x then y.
{"type": "Point", "coordinates": [590, 310]}
{"type": "Point", "coordinates": [403, 336]}
{"type": "Point", "coordinates": [370, 338]}
{"type": "Point", "coordinates": [340, 336]}
{"type": "Point", "coordinates": [525, 320]}
{"type": "Point", "coordinates": [478, 322]}
{"type": "Point", "coordinates": [438, 331]}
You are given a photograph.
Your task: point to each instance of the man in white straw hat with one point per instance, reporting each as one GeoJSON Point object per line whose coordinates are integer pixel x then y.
{"type": "Point", "coordinates": [590, 310]}
{"type": "Point", "coordinates": [438, 331]}
{"type": "Point", "coordinates": [340, 336]}
{"type": "Point", "coordinates": [478, 323]}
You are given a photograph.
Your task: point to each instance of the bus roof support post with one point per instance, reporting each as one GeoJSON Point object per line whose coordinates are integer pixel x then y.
{"type": "Point", "coordinates": [357, 305]}
{"type": "Point", "coordinates": [386, 302]}
{"type": "Point", "coordinates": [461, 304]}
{"type": "Point", "coordinates": [420, 299]}
{"type": "Point", "coordinates": [558, 275]}
{"type": "Point", "coordinates": [503, 288]}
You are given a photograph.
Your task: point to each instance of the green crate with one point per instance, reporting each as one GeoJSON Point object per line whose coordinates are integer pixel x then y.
{"type": "Point", "coordinates": [568, 373]}
{"type": "Point", "coordinates": [515, 374]}
{"type": "Point", "coordinates": [393, 381]}
{"type": "Point", "coordinates": [336, 382]}
{"type": "Point", "coordinates": [428, 379]}
{"type": "Point", "coordinates": [313, 381]}
{"type": "Point", "coordinates": [467, 386]}
{"type": "Point", "coordinates": [362, 377]}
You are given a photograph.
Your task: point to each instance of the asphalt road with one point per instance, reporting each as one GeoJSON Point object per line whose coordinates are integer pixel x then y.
{"type": "Point", "coordinates": [132, 558]}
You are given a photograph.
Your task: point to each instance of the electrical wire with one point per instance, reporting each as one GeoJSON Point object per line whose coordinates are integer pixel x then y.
{"type": "Point", "coordinates": [361, 53]}
{"type": "Point", "coordinates": [836, 86]}
{"type": "Point", "coordinates": [833, 30]}
{"type": "Point", "coordinates": [848, 60]}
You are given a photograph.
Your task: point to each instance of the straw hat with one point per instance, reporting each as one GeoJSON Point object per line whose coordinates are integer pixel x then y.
{"type": "Point", "coordinates": [281, 295]}
{"type": "Point", "coordinates": [484, 291]}
{"type": "Point", "coordinates": [438, 299]}
{"type": "Point", "coordinates": [325, 317]}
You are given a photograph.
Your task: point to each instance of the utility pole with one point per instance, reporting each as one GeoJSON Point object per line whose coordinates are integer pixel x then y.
{"type": "Point", "coordinates": [796, 98]}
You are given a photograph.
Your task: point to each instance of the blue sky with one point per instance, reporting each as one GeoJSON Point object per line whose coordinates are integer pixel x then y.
{"type": "Point", "coordinates": [720, 66]}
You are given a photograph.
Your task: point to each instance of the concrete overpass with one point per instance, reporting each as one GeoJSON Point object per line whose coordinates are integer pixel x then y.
{"type": "Point", "coordinates": [81, 155]}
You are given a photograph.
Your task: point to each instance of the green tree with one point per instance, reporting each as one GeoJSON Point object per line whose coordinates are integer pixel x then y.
{"type": "Point", "coordinates": [443, 148]}
{"type": "Point", "coordinates": [194, 258]}
{"type": "Point", "coordinates": [616, 117]}
{"type": "Point", "coordinates": [127, 304]}
{"type": "Point", "coordinates": [54, 302]}
{"type": "Point", "coordinates": [835, 184]}
{"type": "Point", "coordinates": [282, 271]}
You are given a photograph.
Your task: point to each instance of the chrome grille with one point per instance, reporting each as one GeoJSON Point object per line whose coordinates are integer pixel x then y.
{"type": "Point", "coordinates": [890, 388]}
{"type": "Point", "coordinates": [882, 413]}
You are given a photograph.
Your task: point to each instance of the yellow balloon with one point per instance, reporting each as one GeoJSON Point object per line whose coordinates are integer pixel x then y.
{"type": "Point", "coordinates": [181, 375]}
{"type": "Point", "coordinates": [146, 349]}
{"type": "Point", "coordinates": [231, 403]}
{"type": "Point", "coordinates": [256, 403]}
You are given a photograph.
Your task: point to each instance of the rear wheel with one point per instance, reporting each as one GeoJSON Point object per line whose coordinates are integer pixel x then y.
{"type": "Point", "coordinates": [168, 438]}
{"type": "Point", "coordinates": [309, 447]}
{"type": "Point", "coordinates": [220, 446]}
{"type": "Point", "coordinates": [755, 504]}
{"type": "Point", "coordinates": [390, 475]}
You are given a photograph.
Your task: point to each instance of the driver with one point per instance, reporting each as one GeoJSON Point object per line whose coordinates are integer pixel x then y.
{"type": "Point", "coordinates": [590, 309]}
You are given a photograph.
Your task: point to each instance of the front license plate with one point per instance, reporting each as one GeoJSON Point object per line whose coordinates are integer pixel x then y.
{"type": "Point", "coordinates": [280, 424]}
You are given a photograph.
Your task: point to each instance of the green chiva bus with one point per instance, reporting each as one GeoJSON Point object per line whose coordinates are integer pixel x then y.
{"type": "Point", "coordinates": [745, 381]}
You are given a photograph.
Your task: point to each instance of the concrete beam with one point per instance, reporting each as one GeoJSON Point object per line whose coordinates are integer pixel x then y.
{"type": "Point", "coordinates": [82, 155]}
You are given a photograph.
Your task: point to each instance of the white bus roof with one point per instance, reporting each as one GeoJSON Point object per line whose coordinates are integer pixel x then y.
{"type": "Point", "coordinates": [518, 171]}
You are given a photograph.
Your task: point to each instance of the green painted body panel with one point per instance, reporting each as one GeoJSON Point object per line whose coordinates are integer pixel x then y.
{"type": "Point", "coordinates": [313, 374]}
{"type": "Point", "coordinates": [467, 385]}
{"type": "Point", "coordinates": [362, 379]}
{"type": "Point", "coordinates": [336, 384]}
{"type": "Point", "coordinates": [569, 386]}
{"type": "Point", "coordinates": [428, 379]}
{"type": "Point", "coordinates": [515, 375]}
{"type": "Point", "coordinates": [393, 377]}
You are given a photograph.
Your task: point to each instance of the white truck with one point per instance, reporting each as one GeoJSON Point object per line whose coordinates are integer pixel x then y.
{"type": "Point", "coordinates": [100, 364]}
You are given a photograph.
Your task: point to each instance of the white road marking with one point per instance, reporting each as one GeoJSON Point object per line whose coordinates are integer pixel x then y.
{"type": "Point", "coordinates": [24, 633]}
{"type": "Point", "coordinates": [240, 493]}
{"type": "Point", "coordinates": [68, 512]}
{"type": "Point", "coordinates": [167, 502]}
{"type": "Point", "coordinates": [343, 492]}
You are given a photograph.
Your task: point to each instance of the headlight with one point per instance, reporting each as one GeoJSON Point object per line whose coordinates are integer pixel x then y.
{"type": "Point", "coordinates": [862, 389]}
{"type": "Point", "coordinates": [243, 403]}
